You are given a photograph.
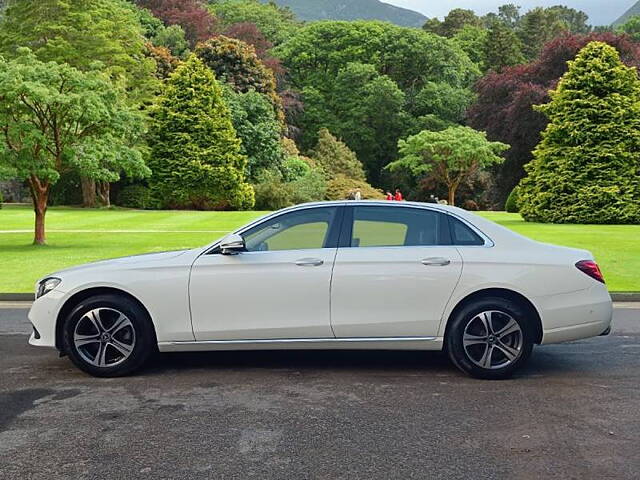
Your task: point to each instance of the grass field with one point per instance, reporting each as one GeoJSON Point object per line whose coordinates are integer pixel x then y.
{"type": "Point", "coordinates": [77, 236]}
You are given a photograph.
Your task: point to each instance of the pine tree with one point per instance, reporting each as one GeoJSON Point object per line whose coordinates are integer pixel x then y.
{"type": "Point", "coordinates": [502, 48]}
{"type": "Point", "coordinates": [195, 158]}
{"type": "Point", "coordinates": [586, 169]}
{"type": "Point", "coordinates": [335, 158]}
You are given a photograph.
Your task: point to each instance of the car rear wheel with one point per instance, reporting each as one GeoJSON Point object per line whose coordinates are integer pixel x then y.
{"type": "Point", "coordinates": [490, 338]}
{"type": "Point", "coordinates": [108, 336]}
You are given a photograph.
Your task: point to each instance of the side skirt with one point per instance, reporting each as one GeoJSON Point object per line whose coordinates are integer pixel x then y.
{"type": "Point", "coordinates": [366, 343]}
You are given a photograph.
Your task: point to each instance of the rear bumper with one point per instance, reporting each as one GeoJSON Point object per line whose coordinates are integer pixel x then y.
{"type": "Point", "coordinates": [572, 316]}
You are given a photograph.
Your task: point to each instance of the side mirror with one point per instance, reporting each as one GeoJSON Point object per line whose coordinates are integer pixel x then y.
{"type": "Point", "coordinates": [232, 244]}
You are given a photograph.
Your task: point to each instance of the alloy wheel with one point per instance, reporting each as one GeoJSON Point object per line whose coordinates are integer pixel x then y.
{"type": "Point", "coordinates": [104, 337]}
{"type": "Point", "coordinates": [492, 339]}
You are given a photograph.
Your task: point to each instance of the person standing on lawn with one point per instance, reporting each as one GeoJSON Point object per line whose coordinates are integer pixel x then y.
{"type": "Point", "coordinates": [357, 195]}
{"type": "Point", "coordinates": [389, 196]}
{"type": "Point", "coordinates": [398, 195]}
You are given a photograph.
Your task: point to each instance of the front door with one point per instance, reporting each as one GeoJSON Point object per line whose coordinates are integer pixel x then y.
{"type": "Point", "coordinates": [278, 289]}
{"type": "Point", "coordinates": [395, 273]}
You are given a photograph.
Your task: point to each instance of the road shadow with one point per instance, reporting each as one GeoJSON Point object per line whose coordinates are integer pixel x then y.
{"type": "Point", "coordinates": [304, 360]}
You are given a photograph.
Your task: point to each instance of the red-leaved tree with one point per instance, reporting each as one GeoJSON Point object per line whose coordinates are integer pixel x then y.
{"type": "Point", "coordinates": [192, 15]}
{"type": "Point", "coordinates": [505, 100]}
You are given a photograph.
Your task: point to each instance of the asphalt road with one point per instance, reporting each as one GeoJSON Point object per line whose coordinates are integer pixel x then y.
{"type": "Point", "coordinates": [574, 412]}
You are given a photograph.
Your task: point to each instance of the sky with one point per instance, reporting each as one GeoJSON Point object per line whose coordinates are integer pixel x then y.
{"type": "Point", "coordinates": [601, 12]}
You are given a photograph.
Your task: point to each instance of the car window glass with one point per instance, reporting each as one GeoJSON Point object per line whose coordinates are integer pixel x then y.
{"type": "Point", "coordinates": [461, 234]}
{"type": "Point", "coordinates": [396, 226]}
{"type": "Point", "coordinates": [303, 229]}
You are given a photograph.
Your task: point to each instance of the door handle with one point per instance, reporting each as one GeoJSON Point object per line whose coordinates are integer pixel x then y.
{"type": "Point", "coordinates": [309, 262]}
{"type": "Point", "coordinates": [436, 261]}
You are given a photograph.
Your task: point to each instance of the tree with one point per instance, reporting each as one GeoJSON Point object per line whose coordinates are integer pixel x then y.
{"type": "Point", "coordinates": [443, 101]}
{"type": "Point", "coordinates": [257, 126]}
{"type": "Point", "coordinates": [631, 27]}
{"type": "Point", "coordinates": [195, 153]}
{"type": "Point", "coordinates": [408, 56]}
{"type": "Point", "coordinates": [364, 109]}
{"type": "Point", "coordinates": [456, 20]}
{"type": "Point", "coordinates": [55, 118]}
{"type": "Point", "coordinates": [236, 63]}
{"type": "Point", "coordinates": [173, 38]}
{"type": "Point", "coordinates": [450, 156]}
{"type": "Point", "coordinates": [165, 62]}
{"type": "Point", "coordinates": [335, 158]}
{"type": "Point", "coordinates": [194, 18]}
{"type": "Point", "coordinates": [509, 14]}
{"type": "Point", "coordinates": [586, 168]}
{"type": "Point", "coordinates": [504, 106]}
{"type": "Point", "coordinates": [537, 27]}
{"type": "Point", "coordinates": [81, 33]}
{"type": "Point", "coordinates": [471, 40]}
{"type": "Point", "coordinates": [275, 22]}
{"type": "Point", "coordinates": [502, 48]}
{"type": "Point", "coordinates": [250, 34]}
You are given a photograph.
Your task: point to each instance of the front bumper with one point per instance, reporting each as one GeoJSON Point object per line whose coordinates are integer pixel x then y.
{"type": "Point", "coordinates": [43, 315]}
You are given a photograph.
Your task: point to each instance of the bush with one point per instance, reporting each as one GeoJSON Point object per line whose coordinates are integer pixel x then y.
{"type": "Point", "coordinates": [511, 205]}
{"type": "Point", "coordinates": [311, 187]}
{"type": "Point", "coordinates": [470, 205]}
{"type": "Point", "coordinates": [137, 196]}
{"type": "Point", "coordinates": [339, 188]}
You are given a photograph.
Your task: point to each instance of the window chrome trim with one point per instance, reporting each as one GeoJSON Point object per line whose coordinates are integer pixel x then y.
{"type": "Point", "coordinates": [488, 242]}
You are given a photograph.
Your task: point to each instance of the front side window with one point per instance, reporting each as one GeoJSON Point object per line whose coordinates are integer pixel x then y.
{"type": "Point", "coordinates": [395, 227]}
{"type": "Point", "coordinates": [298, 230]}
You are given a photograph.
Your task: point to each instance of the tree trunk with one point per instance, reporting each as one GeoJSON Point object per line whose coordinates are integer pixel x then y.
{"type": "Point", "coordinates": [40, 196]}
{"type": "Point", "coordinates": [104, 193]}
{"type": "Point", "coordinates": [452, 194]}
{"type": "Point", "coordinates": [88, 192]}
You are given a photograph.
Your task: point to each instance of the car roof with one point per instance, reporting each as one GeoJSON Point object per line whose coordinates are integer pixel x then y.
{"type": "Point", "coordinates": [384, 203]}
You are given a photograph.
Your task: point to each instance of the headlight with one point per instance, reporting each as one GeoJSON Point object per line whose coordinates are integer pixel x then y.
{"type": "Point", "coordinates": [46, 285]}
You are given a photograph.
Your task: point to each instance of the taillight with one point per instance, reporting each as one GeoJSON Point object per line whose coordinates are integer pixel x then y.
{"type": "Point", "coordinates": [590, 268]}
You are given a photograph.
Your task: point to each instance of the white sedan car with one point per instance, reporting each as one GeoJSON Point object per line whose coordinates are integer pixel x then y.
{"type": "Point", "coordinates": [334, 275]}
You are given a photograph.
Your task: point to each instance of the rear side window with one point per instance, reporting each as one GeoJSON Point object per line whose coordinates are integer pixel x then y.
{"type": "Point", "coordinates": [462, 235]}
{"type": "Point", "coordinates": [396, 227]}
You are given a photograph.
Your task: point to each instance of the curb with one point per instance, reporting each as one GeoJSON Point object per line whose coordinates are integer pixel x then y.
{"type": "Point", "coordinates": [28, 297]}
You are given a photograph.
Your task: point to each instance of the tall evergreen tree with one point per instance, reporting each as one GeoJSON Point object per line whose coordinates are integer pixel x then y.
{"type": "Point", "coordinates": [195, 157]}
{"type": "Point", "coordinates": [502, 48]}
{"type": "Point", "coordinates": [586, 169]}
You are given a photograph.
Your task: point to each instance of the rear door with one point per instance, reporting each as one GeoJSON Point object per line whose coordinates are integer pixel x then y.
{"type": "Point", "coordinates": [394, 272]}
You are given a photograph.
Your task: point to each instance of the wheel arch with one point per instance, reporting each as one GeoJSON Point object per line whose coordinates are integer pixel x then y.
{"type": "Point", "coordinates": [507, 294]}
{"type": "Point", "coordinates": [78, 297]}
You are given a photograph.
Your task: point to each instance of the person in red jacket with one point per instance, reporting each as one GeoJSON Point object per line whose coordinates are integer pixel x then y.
{"type": "Point", "coordinates": [398, 195]}
{"type": "Point", "coordinates": [389, 196]}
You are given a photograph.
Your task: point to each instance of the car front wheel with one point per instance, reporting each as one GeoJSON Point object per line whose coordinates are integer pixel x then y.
{"type": "Point", "coordinates": [490, 338]}
{"type": "Point", "coordinates": [108, 336]}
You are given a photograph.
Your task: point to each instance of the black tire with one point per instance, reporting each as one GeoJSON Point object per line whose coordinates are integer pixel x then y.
{"type": "Point", "coordinates": [139, 331]}
{"type": "Point", "coordinates": [503, 309]}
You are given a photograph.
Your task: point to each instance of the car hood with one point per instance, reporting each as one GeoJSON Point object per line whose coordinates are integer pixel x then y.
{"type": "Point", "coordinates": [133, 260]}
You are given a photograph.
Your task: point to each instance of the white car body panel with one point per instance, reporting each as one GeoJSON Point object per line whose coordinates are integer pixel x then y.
{"type": "Point", "coordinates": [388, 292]}
{"type": "Point", "coordinates": [286, 300]}
{"type": "Point", "coordinates": [263, 300]}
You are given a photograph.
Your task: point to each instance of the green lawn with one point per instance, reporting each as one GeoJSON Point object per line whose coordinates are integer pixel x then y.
{"type": "Point", "coordinates": [77, 236]}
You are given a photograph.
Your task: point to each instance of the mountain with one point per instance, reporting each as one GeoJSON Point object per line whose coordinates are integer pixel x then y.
{"type": "Point", "coordinates": [353, 10]}
{"type": "Point", "coordinates": [634, 10]}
